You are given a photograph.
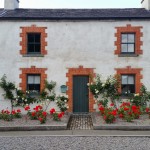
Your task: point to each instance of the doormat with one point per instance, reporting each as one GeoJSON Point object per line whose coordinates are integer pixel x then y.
{"type": "Point", "coordinates": [80, 122]}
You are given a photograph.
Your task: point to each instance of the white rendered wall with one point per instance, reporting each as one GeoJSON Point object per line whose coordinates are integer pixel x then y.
{"type": "Point", "coordinates": [71, 44]}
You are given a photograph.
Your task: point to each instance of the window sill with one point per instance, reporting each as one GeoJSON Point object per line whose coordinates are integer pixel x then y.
{"type": "Point", "coordinates": [33, 55]}
{"type": "Point", "coordinates": [128, 55]}
{"type": "Point", "coordinates": [126, 96]}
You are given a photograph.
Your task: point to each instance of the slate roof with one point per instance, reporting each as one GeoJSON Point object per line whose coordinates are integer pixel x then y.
{"type": "Point", "coordinates": [74, 14]}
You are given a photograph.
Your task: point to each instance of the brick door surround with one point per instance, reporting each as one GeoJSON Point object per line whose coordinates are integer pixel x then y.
{"type": "Point", "coordinates": [79, 71]}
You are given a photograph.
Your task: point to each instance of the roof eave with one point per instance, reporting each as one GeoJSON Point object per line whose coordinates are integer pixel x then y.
{"type": "Point", "coordinates": [74, 18]}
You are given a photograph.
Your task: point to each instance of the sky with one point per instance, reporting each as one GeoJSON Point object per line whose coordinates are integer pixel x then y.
{"type": "Point", "coordinates": [77, 3]}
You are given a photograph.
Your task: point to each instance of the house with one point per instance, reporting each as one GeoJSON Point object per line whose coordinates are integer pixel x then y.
{"type": "Point", "coordinates": [71, 45]}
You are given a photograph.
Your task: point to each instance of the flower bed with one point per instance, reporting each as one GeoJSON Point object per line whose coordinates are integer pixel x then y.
{"type": "Point", "coordinates": [36, 114]}
{"type": "Point", "coordinates": [127, 112]}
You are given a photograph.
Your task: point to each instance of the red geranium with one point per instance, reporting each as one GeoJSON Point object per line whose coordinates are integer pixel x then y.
{"type": "Point", "coordinates": [27, 108]}
{"type": "Point", "coordinates": [104, 117]}
{"type": "Point", "coordinates": [18, 111]}
{"type": "Point", "coordinates": [120, 115]}
{"type": "Point", "coordinates": [44, 113]}
{"type": "Point", "coordinates": [13, 112]}
{"type": "Point", "coordinates": [60, 115]}
{"type": "Point", "coordinates": [40, 119]}
{"type": "Point", "coordinates": [112, 104]}
{"type": "Point", "coordinates": [114, 112]}
{"type": "Point", "coordinates": [101, 108]}
{"type": "Point", "coordinates": [147, 110]}
{"type": "Point", "coordinates": [33, 114]}
{"type": "Point", "coordinates": [52, 111]}
{"type": "Point", "coordinates": [134, 107]}
{"type": "Point", "coordinates": [126, 108]}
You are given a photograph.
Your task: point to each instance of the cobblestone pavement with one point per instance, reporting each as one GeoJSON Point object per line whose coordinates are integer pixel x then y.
{"type": "Point", "coordinates": [74, 143]}
{"type": "Point", "coordinates": [80, 122]}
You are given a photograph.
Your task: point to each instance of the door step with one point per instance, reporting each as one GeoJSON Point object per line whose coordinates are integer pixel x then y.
{"type": "Point", "coordinates": [80, 122]}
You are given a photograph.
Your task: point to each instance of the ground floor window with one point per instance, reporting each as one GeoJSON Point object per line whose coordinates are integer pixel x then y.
{"type": "Point", "coordinates": [33, 79]}
{"type": "Point", "coordinates": [33, 83]}
{"type": "Point", "coordinates": [127, 84]}
{"type": "Point", "coordinates": [130, 79]}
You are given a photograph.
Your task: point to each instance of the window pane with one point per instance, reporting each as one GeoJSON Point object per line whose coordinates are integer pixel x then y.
{"type": "Point", "coordinates": [37, 38]}
{"type": "Point", "coordinates": [36, 79]}
{"type": "Point", "coordinates": [123, 48]}
{"type": "Point", "coordinates": [124, 89]}
{"type": "Point", "coordinates": [124, 38]}
{"type": "Point", "coordinates": [30, 79]}
{"type": "Point", "coordinates": [131, 38]}
{"type": "Point", "coordinates": [30, 38]}
{"type": "Point", "coordinates": [130, 79]}
{"type": "Point", "coordinates": [37, 47]}
{"type": "Point", "coordinates": [37, 87]}
{"type": "Point", "coordinates": [30, 47]}
{"type": "Point", "coordinates": [30, 87]}
{"type": "Point", "coordinates": [124, 79]}
{"type": "Point", "coordinates": [132, 88]}
{"type": "Point", "coordinates": [131, 48]}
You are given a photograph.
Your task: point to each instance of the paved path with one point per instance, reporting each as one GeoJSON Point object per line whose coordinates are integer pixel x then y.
{"type": "Point", "coordinates": [74, 143]}
{"type": "Point", "coordinates": [78, 121]}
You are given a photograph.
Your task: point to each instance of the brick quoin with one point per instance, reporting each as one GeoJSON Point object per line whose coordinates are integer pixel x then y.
{"type": "Point", "coordinates": [129, 29]}
{"type": "Point", "coordinates": [79, 71]}
{"type": "Point", "coordinates": [33, 29]}
{"type": "Point", "coordinates": [136, 72]}
{"type": "Point", "coordinates": [32, 70]}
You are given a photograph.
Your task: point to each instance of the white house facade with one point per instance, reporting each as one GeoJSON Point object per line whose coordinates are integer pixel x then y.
{"type": "Point", "coordinates": [71, 45]}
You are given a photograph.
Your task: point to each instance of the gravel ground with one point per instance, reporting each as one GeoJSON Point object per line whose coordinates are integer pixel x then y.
{"type": "Point", "coordinates": [27, 122]}
{"type": "Point", "coordinates": [143, 120]}
{"type": "Point", "coordinates": [74, 143]}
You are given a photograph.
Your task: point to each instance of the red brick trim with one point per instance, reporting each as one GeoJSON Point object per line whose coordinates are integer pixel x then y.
{"type": "Point", "coordinates": [33, 29]}
{"type": "Point", "coordinates": [32, 70]}
{"type": "Point", "coordinates": [79, 71]}
{"type": "Point", "coordinates": [138, 76]}
{"type": "Point", "coordinates": [129, 29]}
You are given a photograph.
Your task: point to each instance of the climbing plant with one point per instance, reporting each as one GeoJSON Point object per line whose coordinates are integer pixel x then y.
{"type": "Point", "coordinates": [104, 91]}
{"type": "Point", "coordinates": [21, 98]}
{"type": "Point", "coordinates": [48, 95]}
{"type": "Point", "coordinates": [8, 88]}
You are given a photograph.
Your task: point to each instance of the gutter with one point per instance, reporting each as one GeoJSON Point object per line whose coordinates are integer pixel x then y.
{"type": "Point", "coordinates": [71, 18]}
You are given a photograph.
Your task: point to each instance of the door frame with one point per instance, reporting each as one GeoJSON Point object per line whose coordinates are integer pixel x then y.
{"type": "Point", "coordinates": [79, 71]}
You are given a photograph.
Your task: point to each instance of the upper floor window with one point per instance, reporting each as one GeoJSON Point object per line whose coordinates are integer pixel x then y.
{"type": "Point", "coordinates": [34, 43]}
{"type": "Point", "coordinates": [127, 84]}
{"type": "Point", "coordinates": [127, 43]}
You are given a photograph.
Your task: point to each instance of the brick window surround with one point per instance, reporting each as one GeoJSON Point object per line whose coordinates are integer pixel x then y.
{"type": "Point", "coordinates": [129, 29]}
{"type": "Point", "coordinates": [33, 29]}
{"type": "Point", "coordinates": [136, 71]}
{"type": "Point", "coordinates": [79, 71]}
{"type": "Point", "coordinates": [32, 70]}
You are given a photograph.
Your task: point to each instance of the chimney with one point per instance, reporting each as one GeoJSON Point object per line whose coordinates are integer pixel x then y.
{"type": "Point", "coordinates": [146, 4]}
{"type": "Point", "coordinates": [11, 4]}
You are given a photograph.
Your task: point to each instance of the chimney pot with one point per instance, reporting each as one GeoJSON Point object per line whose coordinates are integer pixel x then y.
{"type": "Point", "coordinates": [11, 4]}
{"type": "Point", "coordinates": [146, 4]}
